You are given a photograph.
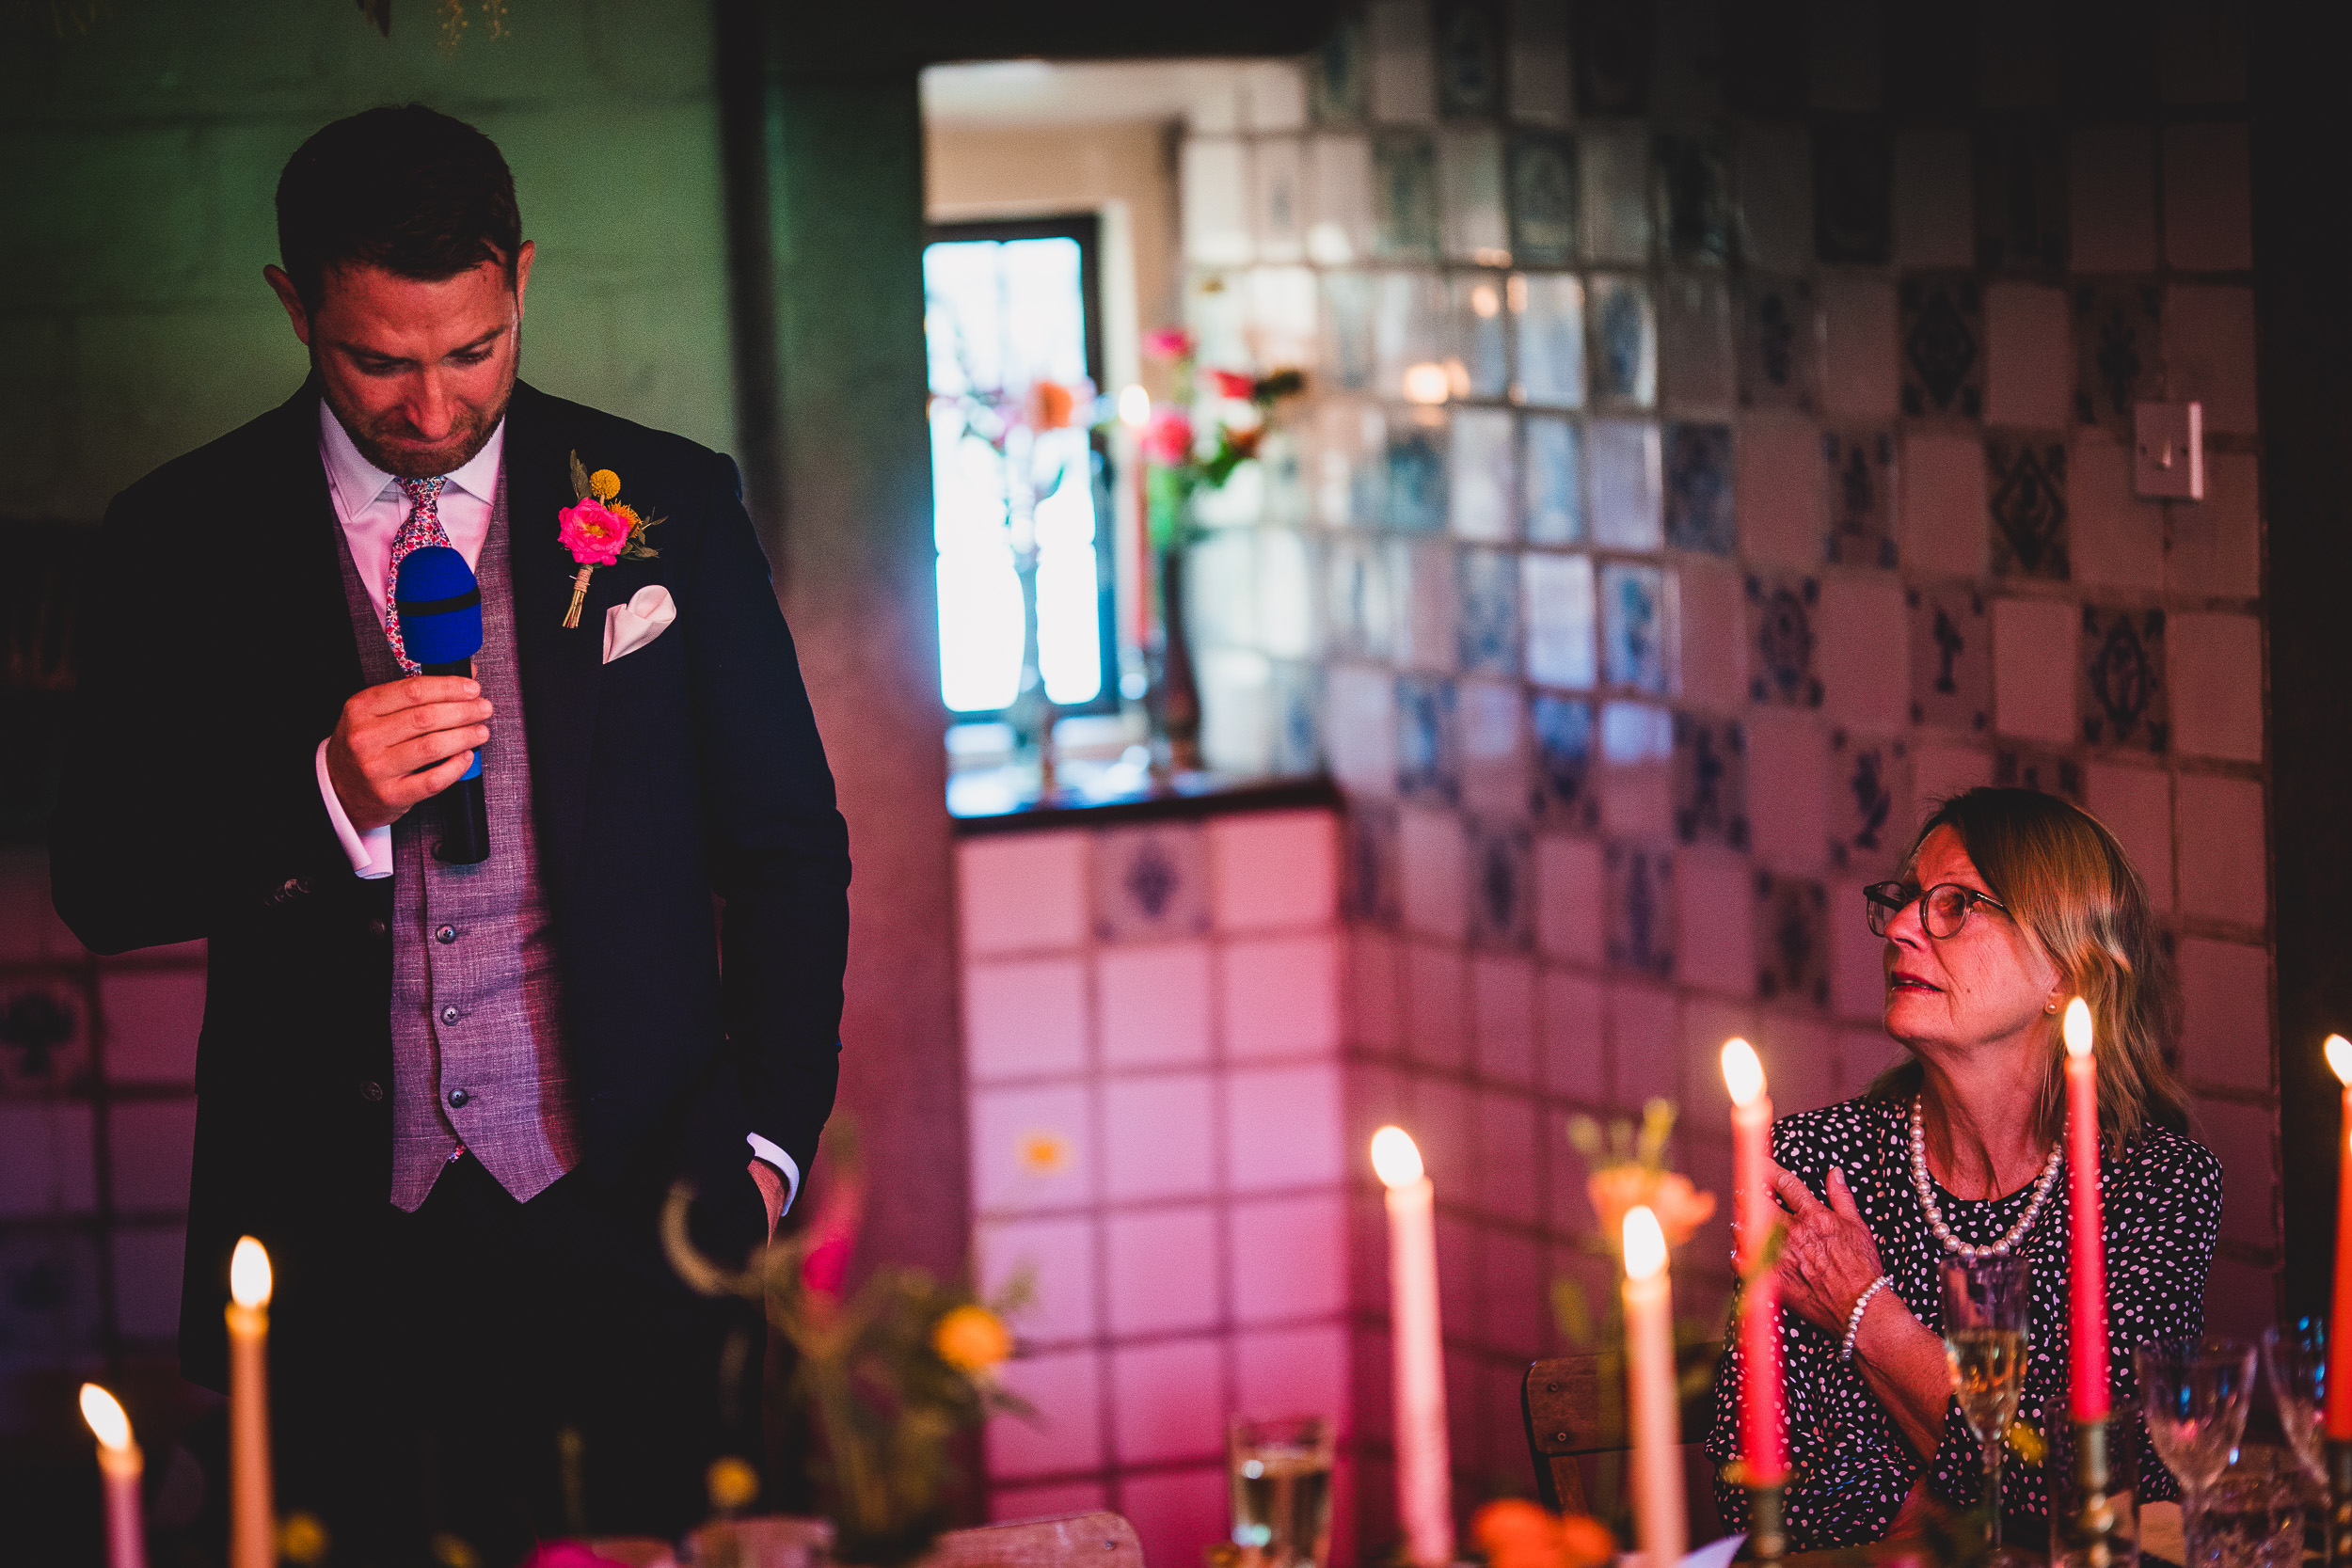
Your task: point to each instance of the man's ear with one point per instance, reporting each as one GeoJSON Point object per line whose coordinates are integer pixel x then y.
{"type": "Point", "coordinates": [283, 286]}
{"type": "Point", "coordinates": [522, 273]}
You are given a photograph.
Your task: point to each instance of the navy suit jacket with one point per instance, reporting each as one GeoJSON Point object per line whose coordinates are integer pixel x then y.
{"type": "Point", "coordinates": [696, 864]}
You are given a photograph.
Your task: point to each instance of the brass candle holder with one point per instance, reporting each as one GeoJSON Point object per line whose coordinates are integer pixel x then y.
{"type": "Point", "coordinates": [1768, 1535]}
{"type": "Point", "coordinates": [2339, 1502]}
{"type": "Point", "coordinates": [2094, 1515]}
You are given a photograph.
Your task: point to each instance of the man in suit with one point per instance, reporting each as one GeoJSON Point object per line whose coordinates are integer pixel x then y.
{"type": "Point", "coordinates": [448, 1098]}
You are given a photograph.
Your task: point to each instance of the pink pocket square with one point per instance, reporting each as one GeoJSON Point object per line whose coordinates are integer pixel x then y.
{"type": "Point", "coordinates": [629, 627]}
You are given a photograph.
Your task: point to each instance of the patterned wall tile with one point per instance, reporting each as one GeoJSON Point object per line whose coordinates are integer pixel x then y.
{"type": "Point", "coordinates": [1694, 217]}
{"type": "Point", "coordinates": [1561, 619]}
{"type": "Point", "coordinates": [1639, 919]}
{"type": "Point", "coordinates": [1773, 171]}
{"type": "Point", "coordinates": [2116, 539]}
{"type": "Point", "coordinates": [44, 1037]}
{"type": "Point", "coordinates": [1780, 491]}
{"type": "Point", "coordinates": [1791, 940]}
{"type": "Point", "coordinates": [1480, 365]}
{"type": "Point", "coordinates": [1853, 191]}
{"type": "Point", "coordinates": [2112, 184]}
{"type": "Point", "coordinates": [1783, 642]}
{"type": "Point", "coordinates": [1943, 345]}
{"type": "Point", "coordinates": [1716, 948]}
{"type": "Point", "coordinates": [1614, 181]}
{"type": "Point", "coordinates": [2028, 373]}
{"type": "Point", "coordinates": [1566, 746]}
{"type": "Point", "coordinates": [1295, 693]}
{"type": "Point", "coordinates": [1548, 312]}
{"type": "Point", "coordinates": [1637, 770]}
{"type": "Point", "coordinates": [1870, 801]}
{"type": "Point", "coordinates": [2123, 697]}
{"type": "Point", "coordinates": [2026, 768]}
{"type": "Point", "coordinates": [1789, 791]}
{"type": "Point", "coordinates": [1428, 599]}
{"type": "Point", "coordinates": [1403, 196]}
{"type": "Point", "coordinates": [1487, 625]}
{"type": "Point", "coordinates": [1502, 891]}
{"type": "Point", "coordinates": [1368, 863]}
{"type": "Point", "coordinates": [2032, 641]}
{"type": "Point", "coordinates": [2027, 475]}
{"type": "Point", "coordinates": [1468, 38]}
{"type": "Point", "coordinates": [1553, 455]}
{"type": "Point", "coordinates": [1694, 353]}
{"type": "Point", "coordinates": [1859, 479]}
{"type": "Point", "coordinates": [1942, 511]}
{"type": "Point", "coordinates": [1416, 478]}
{"type": "Point", "coordinates": [2020, 196]}
{"type": "Point", "coordinates": [1490, 719]}
{"type": "Point", "coordinates": [1359, 603]}
{"type": "Point", "coordinates": [1411, 324]}
{"type": "Point", "coordinates": [1622, 470]}
{"type": "Point", "coordinates": [1347, 337]}
{"type": "Point", "coordinates": [1780, 344]}
{"type": "Point", "coordinates": [1428, 760]}
{"type": "Point", "coordinates": [1633, 627]}
{"type": "Point", "coordinates": [1861, 371]}
{"type": "Point", "coordinates": [1539, 169]}
{"type": "Point", "coordinates": [1951, 660]}
{"type": "Point", "coordinates": [1710, 621]}
{"type": "Point", "coordinates": [2119, 350]}
{"type": "Point", "coordinates": [1710, 785]}
{"type": "Point", "coordinates": [1571, 886]}
{"type": "Point", "coordinates": [1698, 488]}
{"type": "Point", "coordinates": [1612, 49]}
{"type": "Point", "coordinates": [1151, 881]}
{"type": "Point", "coordinates": [1864, 640]}
{"type": "Point", "coordinates": [1934, 198]}
{"type": "Point", "coordinates": [1624, 336]}
{"type": "Point", "coordinates": [1337, 75]}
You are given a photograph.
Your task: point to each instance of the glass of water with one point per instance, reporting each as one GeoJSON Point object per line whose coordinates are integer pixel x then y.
{"type": "Point", "coordinates": [1278, 1470]}
{"type": "Point", "coordinates": [2194, 1394]}
{"type": "Point", "coordinates": [2251, 1515]}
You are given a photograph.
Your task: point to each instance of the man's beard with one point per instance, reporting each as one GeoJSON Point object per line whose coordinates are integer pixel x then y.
{"type": "Point", "coordinates": [467, 437]}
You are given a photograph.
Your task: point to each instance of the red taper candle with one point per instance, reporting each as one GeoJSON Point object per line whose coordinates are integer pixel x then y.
{"type": "Point", "coordinates": [1763, 1421]}
{"type": "Point", "coordinates": [2087, 1294]}
{"type": "Point", "coordinates": [2340, 1326]}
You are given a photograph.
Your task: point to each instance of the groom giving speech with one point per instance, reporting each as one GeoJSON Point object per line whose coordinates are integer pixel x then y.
{"type": "Point", "coordinates": [449, 1094]}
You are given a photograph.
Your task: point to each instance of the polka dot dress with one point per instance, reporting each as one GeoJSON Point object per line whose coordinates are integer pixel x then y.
{"type": "Point", "coordinates": [1850, 1470]}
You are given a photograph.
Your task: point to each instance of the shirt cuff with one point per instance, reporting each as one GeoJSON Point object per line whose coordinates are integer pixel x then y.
{"type": "Point", "coordinates": [763, 1150]}
{"type": "Point", "coordinates": [370, 853]}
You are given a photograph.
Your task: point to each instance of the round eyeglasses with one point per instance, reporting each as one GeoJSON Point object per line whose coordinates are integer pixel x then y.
{"type": "Point", "coordinates": [1944, 908]}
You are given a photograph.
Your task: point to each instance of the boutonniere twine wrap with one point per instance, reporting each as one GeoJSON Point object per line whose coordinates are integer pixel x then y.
{"type": "Point", "coordinates": [599, 529]}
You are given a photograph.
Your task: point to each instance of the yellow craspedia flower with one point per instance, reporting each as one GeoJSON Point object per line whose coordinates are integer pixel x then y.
{"type": "Point", "coordinates": [452, 1552]}
{"type": "Point", "coordinates": [734, 1485]}
{"type": "Point", "coordinates": [972, 1339]}
{"type": "Point", "coordinates": [302, 1539]}
{"type": "Point", "coordinates": [604, 484]}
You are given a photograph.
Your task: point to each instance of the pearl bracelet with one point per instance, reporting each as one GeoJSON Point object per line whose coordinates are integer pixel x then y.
{"type": "Point", "coordinates": [1853, 1319]}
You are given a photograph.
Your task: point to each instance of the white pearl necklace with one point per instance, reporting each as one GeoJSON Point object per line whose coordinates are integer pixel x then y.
{"type": "Point", "coordinates": [1925, 1185]}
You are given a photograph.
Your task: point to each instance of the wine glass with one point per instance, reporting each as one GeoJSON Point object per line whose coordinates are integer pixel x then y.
{"type": "Point", "coordinates": [2296, 1357]}
{"type": "Point", "coordinates": [1987, 1304]}
{"type": "Point", "coordinates": [2194, 1394]}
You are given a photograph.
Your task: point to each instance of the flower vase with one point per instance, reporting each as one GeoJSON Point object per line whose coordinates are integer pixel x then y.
{"type": "Point", "coordinates": [1174, 707]}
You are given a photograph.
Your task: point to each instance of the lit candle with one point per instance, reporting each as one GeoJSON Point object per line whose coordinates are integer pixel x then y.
{"type": "Point", "coordinates": [2086, 1291]}
{"type": "Point", "coordinates": [120, 1463]}
{"type": "Point", "coordinates": [1763, 1438]}
{"type": "Point", "coordinates": [2340, 1332]}
{"type": "Point", "coordinates": [252, 1518]}
{"type": "Point", "coordinates": [1649, 1379]}
{"type": "Point", "coordinates": [1425, 1486]}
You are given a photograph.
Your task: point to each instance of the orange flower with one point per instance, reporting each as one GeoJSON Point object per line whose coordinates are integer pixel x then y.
{"type": "Point", "coordinates": [1050, 405]}
{"type": "Point", "coordinates": [1681, 1207]}
{"type": "Point", "coordinates": [1586, 1542]}
{"type": "Point", "coordinates": [1513, 1532]}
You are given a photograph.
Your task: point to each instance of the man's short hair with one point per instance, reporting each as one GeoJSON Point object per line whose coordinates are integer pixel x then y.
{"type": "Point", "coordinates": [405, 188]}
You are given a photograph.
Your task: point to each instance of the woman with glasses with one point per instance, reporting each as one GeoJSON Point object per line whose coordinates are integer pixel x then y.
{"type": "Point", "coordinates": [2010, 903]}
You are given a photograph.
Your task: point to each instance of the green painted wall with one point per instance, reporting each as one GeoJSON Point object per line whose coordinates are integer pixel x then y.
{"type": "Point", "coordinates": [138, 160]}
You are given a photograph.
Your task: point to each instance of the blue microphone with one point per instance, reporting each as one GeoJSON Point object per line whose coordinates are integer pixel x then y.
{"type": "Point", "coordinates": [440, 624]}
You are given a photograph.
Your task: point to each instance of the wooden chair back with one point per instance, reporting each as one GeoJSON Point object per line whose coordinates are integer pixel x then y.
{"type": "Point", "coordinates": [1573, 1422]}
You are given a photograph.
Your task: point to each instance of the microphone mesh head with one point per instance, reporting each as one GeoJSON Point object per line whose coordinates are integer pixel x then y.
{"type": "Point", "coordinates": [440, 606]}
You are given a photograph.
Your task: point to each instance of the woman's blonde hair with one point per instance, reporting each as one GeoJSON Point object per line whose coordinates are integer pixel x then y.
{"type": "Point", "coordinates": [2068, 884]}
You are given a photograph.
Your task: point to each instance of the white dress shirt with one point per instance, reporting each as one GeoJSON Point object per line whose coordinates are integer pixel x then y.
{"type": "Point", "coordinates": [371, 506]}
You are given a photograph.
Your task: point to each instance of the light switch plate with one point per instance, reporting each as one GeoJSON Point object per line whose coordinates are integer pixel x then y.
{"type": "Point", "coordinates": [2168, 450]}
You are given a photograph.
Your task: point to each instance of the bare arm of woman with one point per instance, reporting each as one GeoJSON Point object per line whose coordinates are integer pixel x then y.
{"type": "Point", "coordinates": [1829, 1259]}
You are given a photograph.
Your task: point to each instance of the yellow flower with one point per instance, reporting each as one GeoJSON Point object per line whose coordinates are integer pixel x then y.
{"type": "Point", "coordinates": [733, 1485]}
{"type": "Point", "coordinates": [604, 484]}
{"type": "Point", "coordinates": [972, 1339]}
{"type": "Point", "coordinates": [629, 514]}
{"type": "Point", "coordinates": [451, 1552]}
{"type": "Point", "coordinates": [1044, 1153]}
{"type": "Point", "coordinates": [302, 1539]}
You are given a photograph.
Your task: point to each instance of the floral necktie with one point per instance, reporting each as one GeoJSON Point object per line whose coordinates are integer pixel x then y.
{"type": "Point", "coordinates": [422, 527]}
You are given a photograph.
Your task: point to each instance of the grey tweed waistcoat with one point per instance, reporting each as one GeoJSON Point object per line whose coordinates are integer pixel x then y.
{"type": "Point", "coordinates": [479, 1064]}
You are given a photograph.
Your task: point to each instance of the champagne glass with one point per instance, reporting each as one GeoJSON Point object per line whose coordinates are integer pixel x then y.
{"type": "Point", "coordinates": [1987, 1308]}
{"type": "Point", "coordinates": [2194, 1394]}
{"type": "Point", "coordinates": [2296, 1357]}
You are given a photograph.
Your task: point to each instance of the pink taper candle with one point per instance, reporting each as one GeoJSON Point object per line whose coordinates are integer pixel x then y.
{"type": "Point", "coordinates": [120, 1465]}
{"type": "Point", "coordinates": [2086, 1289]}
{"type": "Point", "coordinates": [1424, 1483]}
{"type": "Point", "coordinates": [252, 1512]}
{"type": "Point", "coordinates": [1649, 1387]}
{"type": "Point", "coordinates": [2340, 1335]}
{"type": "Point", "coordinates": [1763, 1436]}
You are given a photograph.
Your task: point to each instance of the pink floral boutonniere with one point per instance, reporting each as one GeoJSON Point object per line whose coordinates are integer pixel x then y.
{"type": "Point", "coordinates": [599, 529]}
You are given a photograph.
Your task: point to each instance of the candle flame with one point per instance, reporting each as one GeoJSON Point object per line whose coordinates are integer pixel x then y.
{"type": "Point", "coordinates": [1645, 1244]}
{"type": "Point", "coordinates": [105, 1418]}
{"type": "Point", "coordinates": [2078, 1027]}
{"type": "Point", "coordinates": [1428, 382]}
{"type": "Point", "coordinates": [1395, 1157]}
{"type": "Point", "coordinates": [249, 1273]}
{"type": "Point", "coordinates": [2340, 1057]}
{"type": "Point", "coordinates": [1134, 408]}
{"type": "Point", "coordinates": [1744, 1075]}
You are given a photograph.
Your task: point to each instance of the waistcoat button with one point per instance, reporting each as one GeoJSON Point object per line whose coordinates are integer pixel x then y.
{"type": "Point", "coordinates": [458, 1098]}
{"type": "Point", "coordinates": [446, 935]}
{"type": "Point", "coordinates": [448, 1015]}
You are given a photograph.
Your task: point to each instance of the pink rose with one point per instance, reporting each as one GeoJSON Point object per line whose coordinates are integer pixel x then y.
{"type": "Point", "coordinates": [827, 1265]}
{"type": "Point", "coordinates": [1168, 343]}
{"type": "Point", "coordinates": [593, 533]}
{"type": "Point", "coordinates": [568, 1554]}
{"type": "Point", "coordinates": [1168, 438]}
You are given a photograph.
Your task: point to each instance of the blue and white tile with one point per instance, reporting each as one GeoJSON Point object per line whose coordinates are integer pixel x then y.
{"type": "Point", "coordinates": [1553, 471]}
{"type": "Point", "coordinates": [2029, 767]}
{"type": "Point", "coordinates": [1951, 660]}
{"type": "Point", "coordinates": [1428, 759]}
{"type": "Point", "coordinates": [1780, 491]}
{"type": "Point", "coordinates": [1637, 755]}
{"type": "Point", "coordinates": [1639, 919]}
{"type": "Point", "coordinates": [1490, 724]}
{"type": "Point", "coordinates": [1294, 712]}
{"type": "Point", "coordinates": [1783, 644]}
{"type": "Point", "coordinates": [2208, 222]}
{"type": "Point", "coordinates": [1622, 466]}
{"type": "Point", "coordinates": [1710, 643]}
{"type": "Point", "coordinates": [1787, 763]}
{"type": "Point", "coordinates": [1150, 882]}
{"type": "Point", "coordinates": [2118, 350]}
{"type": "Point", "coordinates": [1416, 475]}
{"type": "Point", "coordinates": [1359, 709]}
{"type": "Point", "coordinates": [1484, 471]}
{"type": "Point", "coordinates": [1547, 316]}
{"type": "Point", "coordinates": [1634, 628]}
{"type": "Point", "coordinates": [1852, 197]}
{"type": "Point", "coordinates": [1780, 344]}
{"type": "Point", "coordinates": [1434, 859]}
{"type": "Point", "coordinates": [1624, 367]}
{"type": "Point", "coordinates": [1566, 755]}
{"type": "Point", "coordinates": [2031, 639]}
{"type": "Point", "coordinates": [1711, 782]}
{"type": "Point", "coordinates": [1213, 181]}
{"type": "Point", "coordinates": [1863, 639]}
{"type": "Point", "coordinates": [1470, 36]}
{"type": "Point", "coordinates": [1870, 801]}
{"type": "Point", "coordinates": [1942, 322]}
{"type": "Point", "coordinates": [1412, 325]}
{"type": "Point", "coordinates": [1422, 572]}
{"type": "Point", "coordinates": [1561, 617]}
{"type": "Point", "coordinates": [1236, 711]}
{"type": "Point", "coordinates": [1339, 199]}
{"type": "Point", "coordinates": [2029, 362]}
{"type": "Point", "coordinates": [1469, 195]}
{"type": "Point", "coordinates": [1694, 353]}
{"type": "Point", "coordinates": [1502, 884]}
{"type": "Point", "coordinates": [1347, 356]}
{"type": "Point", "coordinates": [1614, 164]}
{"type": "Point", "coordinates": [1540, 173]}
{"type": "Point", "coordinates": [1698, 489]}
{"type": "Point", "coordinates": [2112, 211]}
{"type": "Point", "coordinates": [2025, 478]}
{"type": "Point", "coordinates": [2124, 695]}
{"type": "Point", "coordinates": [1571, 888]}
{"type": "Point", "coordinates": [1279, 214]}
{"type": "Point", "coordinates": [1935, 193]}
{"type": "Point", "coordinates": [1861, 365]}
{"type": "Point", "coordinates": [1370, 863]}
{"type": "Point", "coordinates": [1480, 364]}
{"type": "Point", "coordinates": [1791, 940]}
{"type": "Point", "coordinates": [1403, 196]}
{"type": "Point", "coordinates": [1694, 185]}
{"type": "Point", "coordinates": [1487, 622]}
{"type": "Point", "coordinates": [1858, 477]}
{"type": "Point", "coordinates": [2021, 196]}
